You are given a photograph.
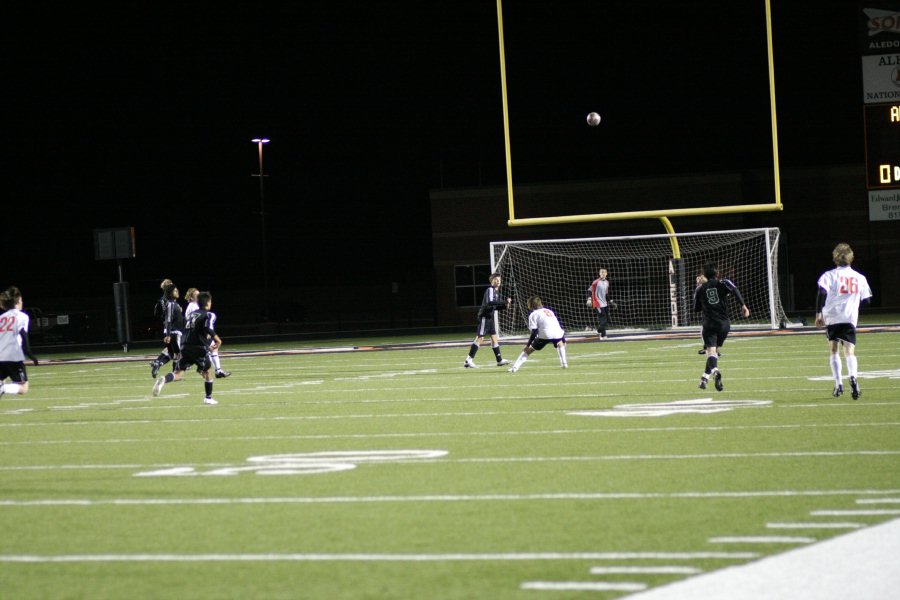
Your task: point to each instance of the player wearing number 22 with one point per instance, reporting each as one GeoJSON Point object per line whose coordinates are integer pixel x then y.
{"type": "Point", "coordinates": [711, 298]}
{"type": "Point", "coordinates": [14, 345]}
{"type": "Point", "coordinates": [841, 291]}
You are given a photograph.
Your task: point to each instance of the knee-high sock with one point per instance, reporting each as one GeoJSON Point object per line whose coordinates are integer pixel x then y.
{"type": "Point", "coordinates": [712, 363]}
{"type": "Point", "coordinates": [217, 363]}
{"type": "Point", "coordinates": [851, 365]}
{"type": "Point", "coordinates": [561, 351]}
{"type": "Point", "coordinates": [522, 358]}
{"type": "Point", "coordinates": [835, 362]}
{"type": "Point", "coordinates": [473, 349]}
{"type": "Point", "coordinates": [10, 388]}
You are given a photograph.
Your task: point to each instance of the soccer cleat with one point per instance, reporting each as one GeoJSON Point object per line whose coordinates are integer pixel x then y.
{"type": "Point", "coordinates": [470, 364]}
{"type": "Point", "coordinates": [513, 369]}
{"type": "Point", "coordinates": [2, 391]}
{"type": "Point", "coordinates": [854, 389]}
{"type": "Point", "coordinates": [222, 374]}
{"type": "Point", "coordinates": [502, 362]}
{"type": "Point", "coordinates": [838, 390]}
{"type": "Point", "coordinates": [718, 382]}
{"type": "Point", "coordinates": [158, 386]}
{"type": "Point", "coordinates": [701, 351]}
{"type": "Point", "coordinates": [209, 401]}
{"type": "Point", "coordinates": [564, 365]}
{"type": "Point", "coordinates": [154, 368]}
{"type": "Point", "coordinates": [702, 385]}
{"type": "Point", "coordinates": [604, 337]}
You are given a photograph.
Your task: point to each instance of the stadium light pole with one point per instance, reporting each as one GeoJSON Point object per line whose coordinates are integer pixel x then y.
{"type": "Point", "coordinates": [262, 220]}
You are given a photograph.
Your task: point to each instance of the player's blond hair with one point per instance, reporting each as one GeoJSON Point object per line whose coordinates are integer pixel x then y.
{"type": "Point", "coordinates": [842, 255]}
{"type": "Point", "coordinates": [165, 283]}
{"type": "Point", "coordinates": [535, 303]}
{"type": "Point", "coordinates": [189, 295]}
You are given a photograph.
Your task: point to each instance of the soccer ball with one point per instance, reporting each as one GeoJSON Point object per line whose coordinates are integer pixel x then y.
{"type": "Point", "coordinates": [593, 119]}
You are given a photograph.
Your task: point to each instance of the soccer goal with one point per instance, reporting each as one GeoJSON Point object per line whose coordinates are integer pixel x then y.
{"type": "Point", "coordinates": [652, 278]}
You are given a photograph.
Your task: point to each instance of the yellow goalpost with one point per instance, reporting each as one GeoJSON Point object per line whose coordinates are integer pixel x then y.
{"type": "Point", "coordinates": [663, 215]}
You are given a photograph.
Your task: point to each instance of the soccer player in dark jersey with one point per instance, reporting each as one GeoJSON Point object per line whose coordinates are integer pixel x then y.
{"type": "Point", "coordinates": [490, 304]}
{"type": "Point", "coordinates": [711, 298]}
{"type": "Point", "coordinates": [173, 323]}
{"type": "Point", "coordinates": [199, 339]}
{"type": "Point", "coordinates": [191, 297]}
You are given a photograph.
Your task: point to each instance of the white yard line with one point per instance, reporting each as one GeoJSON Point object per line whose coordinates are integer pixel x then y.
{"type": "Point", "coordinates": [624, 496]}
{"type": "Point", "coordinates": [297, 557]}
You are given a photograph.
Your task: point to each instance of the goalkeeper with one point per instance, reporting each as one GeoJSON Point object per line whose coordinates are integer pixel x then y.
{"type": "Point", "coordinates": [598, 298]}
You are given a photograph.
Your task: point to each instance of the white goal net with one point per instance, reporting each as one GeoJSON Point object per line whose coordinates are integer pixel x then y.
{"type": "Point", "coordinates": [652, 278]}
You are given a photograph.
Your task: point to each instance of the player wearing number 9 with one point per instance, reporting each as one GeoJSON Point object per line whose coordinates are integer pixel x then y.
{"type": "Point", "coordinates": [841, 291]}
{"type": "Point", "coordinates": [14, 345]}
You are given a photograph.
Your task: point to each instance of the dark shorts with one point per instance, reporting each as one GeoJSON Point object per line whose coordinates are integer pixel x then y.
{"type": "Point", "coordinates": [174, 345]}
{"type": "Point", "coordinates": [13, 370]}
{"type": "Point", "coordinates": [843, 332]}
{"type": "Point", "coordinates": [603, 315]}
{"type": "Point", "coordinates": [193, 355]}
{"type": "Point", "coordinates": [539, 343]}
{"type": "Point", "coordinates": [486, 326]}
{"type": "Point", "coordinates": [714, 334]}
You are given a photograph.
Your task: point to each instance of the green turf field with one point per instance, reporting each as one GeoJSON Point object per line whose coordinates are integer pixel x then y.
{"type": "Point", "coordinates": [399, 474]}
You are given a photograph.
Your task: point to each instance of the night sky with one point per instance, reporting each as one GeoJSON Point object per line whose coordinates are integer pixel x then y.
{"type": "Point", "coordinates": [142, 116]}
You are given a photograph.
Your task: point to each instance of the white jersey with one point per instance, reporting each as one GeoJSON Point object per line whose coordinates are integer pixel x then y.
{"type": "Point", "coordinates": [191, 307]}
{"type": "Point", "coordinates": [845, 288]}
{"type": "Point", "coordinates": [546, 323]}
{"type": "Point", "coordinates": [11, 323]}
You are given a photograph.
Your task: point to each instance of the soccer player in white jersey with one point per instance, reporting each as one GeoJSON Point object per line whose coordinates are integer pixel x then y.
{"type": "Point", "coordinates": [14, 345]}
{"type": "Point", "coordinates": [841, 291]}
{"type": "Point", "coordinates": [545, 329]}
{"type": "Point", "coordinates": [599, 300]}
{"type": "Point", "coordinates": [191, 297]}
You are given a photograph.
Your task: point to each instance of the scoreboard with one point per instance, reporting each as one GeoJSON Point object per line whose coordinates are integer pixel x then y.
{"type": "Point", "coordinates": [879, 45]}
{"type": "Point", "coordinates": [882, 145]}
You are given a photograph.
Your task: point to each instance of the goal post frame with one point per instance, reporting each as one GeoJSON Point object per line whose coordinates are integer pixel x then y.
{"type": "Point", "coordinates": [680, 284]}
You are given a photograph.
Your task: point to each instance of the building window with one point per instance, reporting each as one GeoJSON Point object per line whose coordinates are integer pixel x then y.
{"type": "Point", "coordinates": [470, 283]}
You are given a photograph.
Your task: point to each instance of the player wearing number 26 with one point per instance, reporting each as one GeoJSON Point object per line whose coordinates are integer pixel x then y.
{"type": "Point", "coordinates": [841, 291]}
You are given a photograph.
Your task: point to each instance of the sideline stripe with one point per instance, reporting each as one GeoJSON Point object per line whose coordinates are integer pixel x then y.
{"type": "Point", "coordinates": [296, 557]}
{"type": "Point", "coordinates": [444, 498]}
{"type": "Point", "coordinates": [860, 564]}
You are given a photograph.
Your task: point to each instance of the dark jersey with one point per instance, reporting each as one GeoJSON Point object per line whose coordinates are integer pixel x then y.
{"type": "Point", "coordinates": [711, 299]}
{"type": "Point", "coordinates": [200, 329]}
{"type": "Point", "coordinates": [173, 319]}
{"type": "Point", "coordinates": [491, 303]}
{"type": "Point", "coordinates": [159, 308]}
